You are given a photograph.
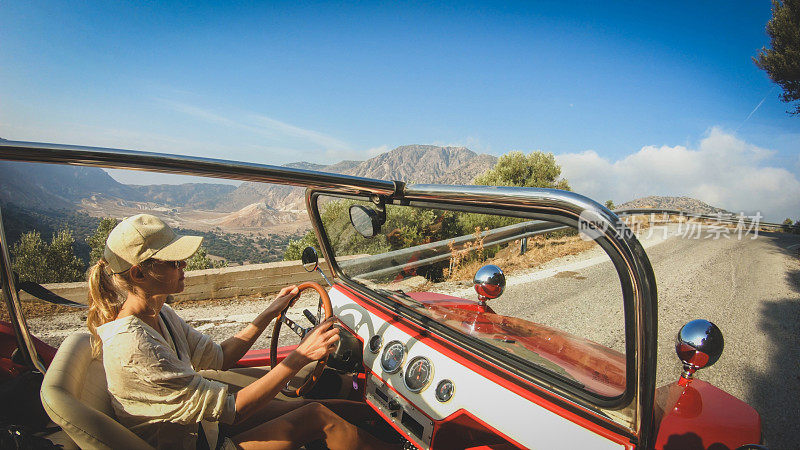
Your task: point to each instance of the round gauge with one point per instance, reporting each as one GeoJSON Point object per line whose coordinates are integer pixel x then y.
{"type": "Point", "coordinates": [393, 355]}
{"type": "Point", "coordinates": [444, 390]}
{"type": "Point", "coordinates": [375, 343]}
{"type": "Point", "coordinates": [418, 374]}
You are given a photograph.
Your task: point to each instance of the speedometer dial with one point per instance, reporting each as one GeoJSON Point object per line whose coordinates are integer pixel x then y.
{"type": "Point", "coordinates": [375, 343]}
{"type": "Point", "coordinates": [418, 374]}
{"type": "Point", "coordinates": [393, 355]}
{"type": "Point", "coordinates": [444, 390]}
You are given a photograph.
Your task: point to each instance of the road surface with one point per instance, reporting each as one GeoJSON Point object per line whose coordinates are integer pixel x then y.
{"type": "Point", "coordinates": [749, 288]}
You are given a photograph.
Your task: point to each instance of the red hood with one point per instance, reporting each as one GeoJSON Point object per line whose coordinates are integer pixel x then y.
{"type": "Point", "coordinates": [600, 369]}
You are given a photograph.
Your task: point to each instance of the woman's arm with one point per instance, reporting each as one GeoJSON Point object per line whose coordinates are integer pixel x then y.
{"type": "Point", "coordinates": [235, 347]}
{"type": "Point", "coordinates": [318, 344]}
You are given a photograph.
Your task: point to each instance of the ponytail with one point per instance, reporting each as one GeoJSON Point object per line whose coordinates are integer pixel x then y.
{"type": "Point", "coordinates": [104, 302]}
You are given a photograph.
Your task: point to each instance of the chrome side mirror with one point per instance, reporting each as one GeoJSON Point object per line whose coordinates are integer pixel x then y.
{"type": "Point", "coordinates": [310, 262]}
{"type": "Point", "coordinates": [489, 282]}
{"type": "Point", "coordinates": [699, 344]}
{"type": "Point", "coordinates": [310, 259]}
{"type": "Point", "coordinates": [365, 220]}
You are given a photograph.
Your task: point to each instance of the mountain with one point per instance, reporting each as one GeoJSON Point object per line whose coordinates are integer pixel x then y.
{"type": "Point", "coordinates": [276, 196]}
{"type": "Point", "coordinates": [686, 204]}
{"type": "Point", "coordinates": [410, 163]}
{"type": "Point", "coordinates": [422, 164]}
{"type": "Point", "coordinates": [305, 165]}
{"type": "Point", "coordinates": [188, 195]}
{"type": "Point", "coordinates": [50, 186]}
{"type": "Point", "coordinates": [257, 215]}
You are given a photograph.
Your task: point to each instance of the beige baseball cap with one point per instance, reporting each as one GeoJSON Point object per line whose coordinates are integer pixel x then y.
{"type": "Point", "coordinates": [144, 236]}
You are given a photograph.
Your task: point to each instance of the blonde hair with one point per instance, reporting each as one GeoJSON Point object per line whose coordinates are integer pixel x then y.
{"type": "Point", "coordinates": [107, 293]}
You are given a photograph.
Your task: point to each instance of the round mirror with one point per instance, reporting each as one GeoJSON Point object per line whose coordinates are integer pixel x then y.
{"type": "Point", "coordinates": [364, 220]}
{"type": "Point", "coordinates": [489, 282]}
{"type": "Point", "coordinates": [310, 259]}
{"type": "Point", "coordinates": [699, 344]}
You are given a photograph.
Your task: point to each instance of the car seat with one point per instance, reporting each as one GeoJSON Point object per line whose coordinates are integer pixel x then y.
{"type": "Point", "coordinates": [75, 396]}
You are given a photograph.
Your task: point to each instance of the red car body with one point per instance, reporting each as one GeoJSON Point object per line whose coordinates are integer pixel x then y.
{"type": "Point", "coordinates": [618, 406]}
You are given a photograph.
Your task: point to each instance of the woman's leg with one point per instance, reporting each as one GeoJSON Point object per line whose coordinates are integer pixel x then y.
{"type": "Point", "coordinates": [351, 411]}
{"type": "Point", "coordinates": [310, 422]}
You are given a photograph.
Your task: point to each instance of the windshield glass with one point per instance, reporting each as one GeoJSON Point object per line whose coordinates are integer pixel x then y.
{"type": "Point", "coordinates": [562, 309]}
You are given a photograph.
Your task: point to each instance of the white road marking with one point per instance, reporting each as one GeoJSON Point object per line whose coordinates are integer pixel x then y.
{"type": "Point", "coordinates": [792, 246]}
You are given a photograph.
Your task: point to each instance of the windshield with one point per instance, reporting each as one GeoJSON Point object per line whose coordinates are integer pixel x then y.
{"type": "Point", "coordinates": [562, 310]}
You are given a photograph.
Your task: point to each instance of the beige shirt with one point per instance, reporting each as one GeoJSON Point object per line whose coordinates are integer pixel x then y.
{"type": "Point", "coordinates": [156, 395]}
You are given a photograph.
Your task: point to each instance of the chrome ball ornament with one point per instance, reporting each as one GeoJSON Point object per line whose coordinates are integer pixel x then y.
{"type": "Point", "coordinates": [489, 282]}
{"type": "Point", "coordinates": [699, 344]}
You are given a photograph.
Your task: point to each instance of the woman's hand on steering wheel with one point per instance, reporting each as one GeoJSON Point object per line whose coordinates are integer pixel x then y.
{"type": "Point", "coordinates": [319, 342]}
{"type": "Point", "coordinates": [282, 300]}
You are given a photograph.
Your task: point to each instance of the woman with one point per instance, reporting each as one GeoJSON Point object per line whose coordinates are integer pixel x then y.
{"type": "Point", "coordinates": [151, 356]}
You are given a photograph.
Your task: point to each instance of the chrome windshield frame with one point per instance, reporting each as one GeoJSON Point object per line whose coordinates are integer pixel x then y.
{"type": "Point", "coordinates": [111, 158]}
{"type": "Point", "coordinates": [625, 251]}
{"type": "Point", "coordinates": [557, 206]}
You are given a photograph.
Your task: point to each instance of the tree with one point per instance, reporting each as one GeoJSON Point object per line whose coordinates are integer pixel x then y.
{"type": "Point", "coordinates": [97, 241]}
{"type": "Point", "coordinates": [200, 260]}
{"type": "Point", "coordinates": [610, 204]}
{"type": "Point", "coordinates": [782, 61]}
{"type": "Point", "coordinates": [537, 169]}
{"type": "Point", "coordinates": [788, 222]}
{"type": "Point", "coordinates": [40, 262]}
{"type": "Point", "coordinates": [295, 248]}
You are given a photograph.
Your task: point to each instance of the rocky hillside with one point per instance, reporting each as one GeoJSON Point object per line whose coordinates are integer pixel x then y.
{"type": "Point", "coordinates": [687, 204]}
{"type": "Point", "coordinates": [254, 216]}
{"type": "Point", "coordinates": [187, 195]}
{"type": "Point", "coordinates": [409, 163]}
{"type": "Point", "coordinates": [425, 164]}
{"type": "Point", "coordinates": [50, 186]}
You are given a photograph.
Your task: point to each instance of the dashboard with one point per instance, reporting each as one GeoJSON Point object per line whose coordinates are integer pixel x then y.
{"type": "Point", "coordinates": [421, 388]}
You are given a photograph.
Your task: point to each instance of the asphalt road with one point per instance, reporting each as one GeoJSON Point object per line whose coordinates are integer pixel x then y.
{"type": "Point", "coordinates": [749, 288]}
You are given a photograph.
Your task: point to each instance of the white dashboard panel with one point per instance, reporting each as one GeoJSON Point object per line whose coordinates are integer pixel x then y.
{"type": "Point", "coordinates": [518, 418]}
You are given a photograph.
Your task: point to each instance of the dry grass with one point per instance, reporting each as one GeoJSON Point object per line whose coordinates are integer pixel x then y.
{"type": "Point", "coordinates": [541, 249]}
{"type": "Point", "coordinates": [32, 309]}
{"type": "Point", "coordinates": [637, 223]}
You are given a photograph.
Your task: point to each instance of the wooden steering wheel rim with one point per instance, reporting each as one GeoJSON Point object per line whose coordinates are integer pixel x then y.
{"type": "Point", "coordinates": [273, 345]}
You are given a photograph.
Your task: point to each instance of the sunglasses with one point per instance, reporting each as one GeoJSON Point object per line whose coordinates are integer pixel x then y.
{"type": "Point", "coordinates": [173, 264]}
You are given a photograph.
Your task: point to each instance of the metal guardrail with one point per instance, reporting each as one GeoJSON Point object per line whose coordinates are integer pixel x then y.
{"type": "Point", "coordinates": [723, 218]}
{"type": "Point", "coordinates": [411, 258]}
{"type": "Point", "coordinates": [421, 255]}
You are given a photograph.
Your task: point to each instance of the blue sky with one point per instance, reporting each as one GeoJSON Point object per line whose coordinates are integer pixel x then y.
{"type": "Point", "coordinates": [620, 92]}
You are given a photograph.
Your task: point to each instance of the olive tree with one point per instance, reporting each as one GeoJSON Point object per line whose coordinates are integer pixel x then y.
{"type": "Point", "coordinates": [97, 241]}
{"type": "Point", "coordinates": [200, 260]}
{"type": "Point", "coordinates": [536, 169]}
{"type": "Point", "coordinates": [41, 262]}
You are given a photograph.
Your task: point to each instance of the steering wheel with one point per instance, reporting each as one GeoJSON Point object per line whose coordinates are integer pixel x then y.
{"type": "Point", "coordinates": [311, 380]}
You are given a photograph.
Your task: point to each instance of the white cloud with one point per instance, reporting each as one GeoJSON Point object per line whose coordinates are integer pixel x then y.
{"type": "Point", "coordinates": [272, 126]}
{"type": "Point", "coordinates": [722, 171]}
{"type": "Point", "coordinates": [198, 113]}
{"type": "Point", "coordinates": [277, 132]}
